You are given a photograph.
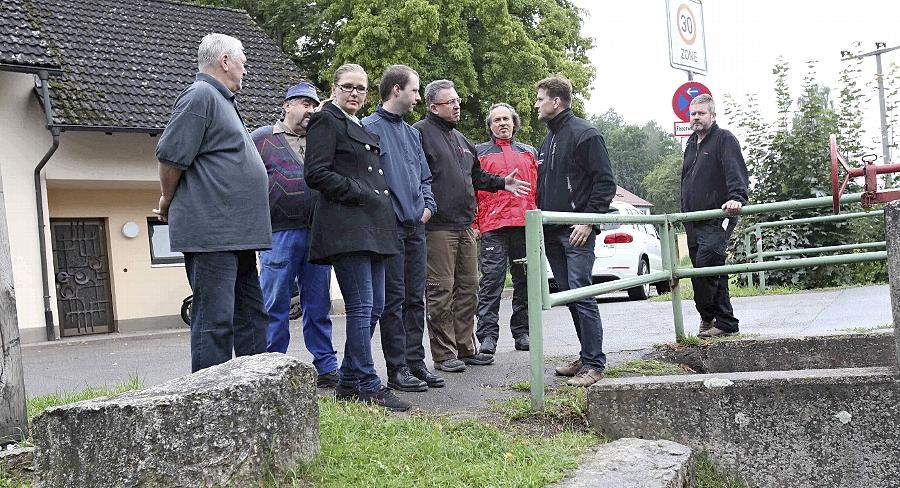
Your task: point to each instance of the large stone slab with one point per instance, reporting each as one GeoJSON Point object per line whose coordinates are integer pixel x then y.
{"type": "Point", "coordinates": [635, 463]}
{"type": "Point", "coordinates": [892, 238]}
{"type": "Point", "coordinates": [222, 426]}
{"type": "Point", "coordinates": [805, 428]}
{"type": "Point", "coordinates": [876, 348]}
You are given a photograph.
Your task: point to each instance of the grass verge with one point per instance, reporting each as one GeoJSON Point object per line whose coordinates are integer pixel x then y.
{"type": "Point", "coordinates": [365, 446]}
{"type": "Point", "coordinates": [687, 291]}
{"type": "Point", "coordinates": [866, 330]}
{"type": "Point", "coordinates": [692, 340]}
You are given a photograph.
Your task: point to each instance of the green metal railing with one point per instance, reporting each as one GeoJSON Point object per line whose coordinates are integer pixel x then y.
{"type": "Point", "coordinates": [540, 298]}
{"type": "Point", "coordinates": [760, 255]}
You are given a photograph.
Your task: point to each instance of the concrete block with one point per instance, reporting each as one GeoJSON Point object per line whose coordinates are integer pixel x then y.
{"type": "Point", "coordinates": [780, 354]}
{"type": "Point", "coordinates": [222, 426]}
{"type": "Point", "coordinates": [804, 428]}
{"type": "Point", "coordinates": [635, 463]}
{"type": "Point", "coordinates": [892, 238]}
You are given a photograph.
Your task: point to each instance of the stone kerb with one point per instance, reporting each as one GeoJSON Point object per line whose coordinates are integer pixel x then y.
{"type": "Point", "coordinates": [635, 463]}
{"type": "Point", "coordinates": [223, 426]}
{"type": "Point", "coordinates": [892, 238]}
{"type": "Point", "coordinates": [803, 428]}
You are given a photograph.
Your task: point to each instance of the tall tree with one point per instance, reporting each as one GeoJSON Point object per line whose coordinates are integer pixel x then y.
{"type": "Point", "coordinates": [493, 50]}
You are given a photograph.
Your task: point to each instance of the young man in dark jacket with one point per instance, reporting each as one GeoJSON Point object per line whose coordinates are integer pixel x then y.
{"type": "Point", "coordinates": [406, 171]}
{"type": "Point", "coordinates": [452, 283]}
{"type": "Point", "coordinates": [574, 175]}
{"type": "Point", "coordinates": [713, 176]}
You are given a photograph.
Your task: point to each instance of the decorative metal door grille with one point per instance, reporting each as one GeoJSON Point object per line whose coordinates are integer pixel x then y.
{"type": "Point", "coordinates": [83, 288]}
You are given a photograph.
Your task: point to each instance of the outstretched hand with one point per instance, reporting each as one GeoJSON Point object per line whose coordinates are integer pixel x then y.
{"type": "Point", "coordinates": [515, 186]}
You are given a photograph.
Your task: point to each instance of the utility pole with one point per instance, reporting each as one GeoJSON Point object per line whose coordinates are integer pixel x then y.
{"type": "Point", "coordinates": [13, 420]}
{"type": "Point", "coordinates": [880, 48]}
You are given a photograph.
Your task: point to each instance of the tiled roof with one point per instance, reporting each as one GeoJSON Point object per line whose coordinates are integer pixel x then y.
{"type": "Point", "coordinates": [21, 44]}
{"type": "Point", "coordinates": [623, 195]}
{"type": "Point", "coordinates": [126, 61]}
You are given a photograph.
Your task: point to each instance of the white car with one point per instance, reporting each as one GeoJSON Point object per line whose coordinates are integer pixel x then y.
{"type": "Point", "coordinates": [624, 251]}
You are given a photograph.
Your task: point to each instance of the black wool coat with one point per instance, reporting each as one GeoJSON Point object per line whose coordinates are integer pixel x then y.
{"type": "Point", "coordinates": [354, 214]}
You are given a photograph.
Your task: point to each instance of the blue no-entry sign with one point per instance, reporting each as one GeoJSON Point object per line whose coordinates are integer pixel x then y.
{"type": "Point", "coordinates": [681, 101]}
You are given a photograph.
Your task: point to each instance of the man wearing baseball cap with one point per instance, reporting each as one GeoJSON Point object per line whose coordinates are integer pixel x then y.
{"type": "Point", "coordinates": [291, 203]}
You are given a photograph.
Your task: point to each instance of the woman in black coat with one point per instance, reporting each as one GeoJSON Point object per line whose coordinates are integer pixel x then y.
{"type": "Point", "coordinates": [354, 226]}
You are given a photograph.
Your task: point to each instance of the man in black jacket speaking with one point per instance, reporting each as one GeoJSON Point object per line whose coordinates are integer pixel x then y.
{"type": "Point", "coordinates": [713, 176]}
{"type": "Point", "coordinates": [574, 175]}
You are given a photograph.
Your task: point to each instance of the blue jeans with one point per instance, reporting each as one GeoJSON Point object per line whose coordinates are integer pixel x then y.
{"type": "Point", "coordinates": [361, 279]}
{"type": "Point", "coordinates": [403, 322]}
{"type": "Point", "coordinates": [227, 313]}
{"type": "Point", "coordinates": [286, 263]}
{"type": "Point", "coordinates": [572, 269]}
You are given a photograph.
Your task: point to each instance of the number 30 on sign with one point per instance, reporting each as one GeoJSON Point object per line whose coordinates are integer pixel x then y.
{"type": "Point", "coordinates": [687, 42]}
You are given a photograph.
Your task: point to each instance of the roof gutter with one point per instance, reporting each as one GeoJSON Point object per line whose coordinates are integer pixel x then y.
{"type": "Point", "coordinates": [39, 200]}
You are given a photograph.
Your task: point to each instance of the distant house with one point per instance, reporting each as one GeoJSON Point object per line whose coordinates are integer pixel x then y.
{"type": "Point", "coordinates": [623, 195]}
{"type": "Point", "coordinates": [87, 85]}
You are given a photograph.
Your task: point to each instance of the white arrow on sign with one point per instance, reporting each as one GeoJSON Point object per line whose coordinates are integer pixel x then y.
{"type": "Point", "coordinates": [692, 92]}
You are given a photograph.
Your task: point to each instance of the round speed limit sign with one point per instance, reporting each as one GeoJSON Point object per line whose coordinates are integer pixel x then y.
{"type": "Point", "coordinates": [687, 46]}
{"type": "Point", "coordinates": [687, 24]}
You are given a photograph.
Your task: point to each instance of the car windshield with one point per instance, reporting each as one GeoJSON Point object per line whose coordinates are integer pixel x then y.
{"type": "Point", "coordinates": [610, 226]}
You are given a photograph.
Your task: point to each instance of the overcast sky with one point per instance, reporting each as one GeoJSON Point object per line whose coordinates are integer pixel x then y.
{"type": "Point", "coordinates": [743, 40]}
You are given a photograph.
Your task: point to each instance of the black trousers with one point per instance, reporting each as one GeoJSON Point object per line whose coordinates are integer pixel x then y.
{"type": "Point", "coordinates": [707, 240]}
{"type": "Point", "coordinates": [499, 248]}
{"type": "Point", "coordinates": [403, 321]}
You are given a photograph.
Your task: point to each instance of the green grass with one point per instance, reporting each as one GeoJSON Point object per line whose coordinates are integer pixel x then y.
{"type": "Point", "coordinates": [687, 291]}
{"type": "Point", "coordinates": [38, 404]}
{"type": "Point", "coordinates": [365, 446]}
{"type": "Point", "coordinates": [692, 340]}
{"type": "Point", "coordinates": [642, 367]}
{"type": "Point", "coordinates": [708, 477]}
{"type": "Point", "coordinates": [866, 330]}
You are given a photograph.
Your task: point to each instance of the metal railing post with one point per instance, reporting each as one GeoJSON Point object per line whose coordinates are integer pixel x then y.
{"type": "Point", "coordinates": [748, 251]}
{"type": "Point", "coordinates": [757, 231]}
{"type": "Point", "coordinates": [535, 274]}
{"type": "Point", "coordinates": [674, 261]}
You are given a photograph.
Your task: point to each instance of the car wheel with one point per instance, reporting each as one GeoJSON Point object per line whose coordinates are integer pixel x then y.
{"type": "Point", "coordinates": [663, 287]}
{"type": "Point", "coordinates": [186, 306]}
{"type": "Point", "coordinates": [643, 291]}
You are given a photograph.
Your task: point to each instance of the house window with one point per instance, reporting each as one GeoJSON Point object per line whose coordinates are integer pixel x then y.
{"type": "Point", "coordinates": [160, 252]}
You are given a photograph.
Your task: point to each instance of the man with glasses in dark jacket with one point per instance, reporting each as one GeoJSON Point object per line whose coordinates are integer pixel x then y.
{"type": "Point", "coordinates": [406, 171]}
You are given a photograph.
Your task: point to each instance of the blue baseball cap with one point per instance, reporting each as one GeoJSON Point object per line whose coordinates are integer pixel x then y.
{"type": "Point", "coordinates": [302, 89]}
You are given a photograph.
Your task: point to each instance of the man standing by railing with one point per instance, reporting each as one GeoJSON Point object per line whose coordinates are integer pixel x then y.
{"type": "Point", "coordinates": [713, 176]}
{"type": "Point", "coordinates": [574, 175]}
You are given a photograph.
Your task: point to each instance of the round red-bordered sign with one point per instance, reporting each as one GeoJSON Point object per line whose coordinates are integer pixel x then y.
{"type": "Point", "coordinates": [681, 100]}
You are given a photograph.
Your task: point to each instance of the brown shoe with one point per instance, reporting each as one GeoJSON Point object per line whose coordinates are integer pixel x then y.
{"type": "Point", "coordinates": [705, 325]}
{"type": "Point", "coordinates": [570, 369]}
{"type": "Point", "coordinates": [715, 332]}
{"type": "Point", "coordinates": [586, 377]}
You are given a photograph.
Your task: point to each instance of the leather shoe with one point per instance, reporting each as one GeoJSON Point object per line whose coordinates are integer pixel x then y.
{"type": "Point", "coordinates": [586, 377]}
{"type": "Point", "coordinates": [431, 379]}
{"type": "Point", "coordinates": [327, 380]}
{"type": "Point", "coordinates": [489, 345]}
{"type": "Point", "coordinates": [403, 380]}
{"type": "Point", "coordinates": [522, 343]}
{"type": "Point", "coordinates": [715, 332]}
{"type": "Point", "coordinates": [478, 359]}
{"type": "Point", "coordinates": [705, 325]}
{"type": "Point", "coordinates": [451, 365]}
{"type": "Point", "coordinates": [570, 369]}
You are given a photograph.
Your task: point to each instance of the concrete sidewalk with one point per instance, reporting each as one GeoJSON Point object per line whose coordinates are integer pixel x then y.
{"type": "Point", "coordinates": [629, 329]}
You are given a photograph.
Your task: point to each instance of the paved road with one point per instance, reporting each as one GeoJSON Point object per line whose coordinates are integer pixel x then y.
{"type": "Point", "coordinates": [629, 328]}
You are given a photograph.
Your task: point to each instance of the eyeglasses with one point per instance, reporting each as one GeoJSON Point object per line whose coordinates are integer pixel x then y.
{"type": "Point", "coordinates": [452, 101]}
{"type": "Point", "coordinates": [348, 88]}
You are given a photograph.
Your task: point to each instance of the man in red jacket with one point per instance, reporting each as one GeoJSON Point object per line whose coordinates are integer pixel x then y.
{"type": "Point", "coordinates": [500, 221]}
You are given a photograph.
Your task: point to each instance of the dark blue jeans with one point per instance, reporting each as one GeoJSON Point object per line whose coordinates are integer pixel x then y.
{"type": "Point", "coordinates": [572, 269]}
{"type": "Point", "coordinates": [227, 313]}
{"type": "Point", "coordinates": [361, 279]}
{"type": "Point", "coordinates": [403, 321]}
{"type": "Point", "coordinates": [280, 268]}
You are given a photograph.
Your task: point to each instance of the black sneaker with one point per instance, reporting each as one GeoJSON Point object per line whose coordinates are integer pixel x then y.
{"type": "Point", "coordinates": [385, 397]}
{"type": "Point", "coordinates": [478, 359]}
{"type": "Point", "coordinates": [327, 380]}
{"type": "Point", "coordinates": [522, 343]}
{"type": "Point", "coordinates": [346, 393]}
{"type": "Point", "coordinates": [489, 345]}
